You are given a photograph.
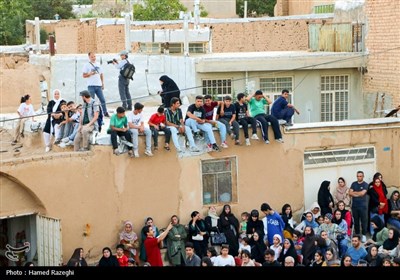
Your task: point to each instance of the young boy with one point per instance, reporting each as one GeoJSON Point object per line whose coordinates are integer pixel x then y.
{"type": "Point", "coordinates": [122, 259]}
{"type": "Point", "coordinates": [243, 224]}
{"type": "Point", "coordinates": [243, 118]}
{"type": "Point", "coordinates": [119, 127]}
{"type": "Point", "coordinates": [157, 123]}
{"type": "Point", "coordinates": [226, 114]}
{"type": "Point", "coordinates": [136, 126]}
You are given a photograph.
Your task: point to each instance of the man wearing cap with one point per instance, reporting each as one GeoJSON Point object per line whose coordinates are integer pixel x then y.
{"type": "Point", "coordinates": [88, 122]}
{"type": "Point", "coordinates": [95, 81]}
{"type": "Point", "coordinates": [123, 83]}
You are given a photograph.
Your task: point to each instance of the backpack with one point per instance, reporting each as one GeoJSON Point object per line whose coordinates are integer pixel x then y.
{"type": "Point", "coordinates": [128, 70]}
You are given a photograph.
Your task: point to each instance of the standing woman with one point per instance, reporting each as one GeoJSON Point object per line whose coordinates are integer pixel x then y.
{"type": "Point", "coordinates": [325, 198]}
{"type": "Point", "coordinates": [25, 110]}
{"type": "Point", "coordinates": [230, 226]}
{"type": "Point", "coordinates": [54, 112]}
{"type": "Point", "coordinates": [169, 90]}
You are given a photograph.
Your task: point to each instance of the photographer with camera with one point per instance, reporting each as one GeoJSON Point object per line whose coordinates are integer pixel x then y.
{"type": "Point", "coordinates": [123, 83]}
{"type": "Point", "coordinates": [95, 81]}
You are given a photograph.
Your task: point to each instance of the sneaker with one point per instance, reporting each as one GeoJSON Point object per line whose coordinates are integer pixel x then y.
{"type": "Point", "coordinates": [69, 143]}
{"type": "Point", "coordinates": [136, 153]}
{"type": "Point", "coordinates": [194, 149]}
{"type": "Point", "coordinates": [363, 239]}
{"type": "Point", "coordinates": [248, 142]}
{"type": "Point", "coordinates": [233, 136]}
{"type": "Point", "coordinates": [224, 145]}
{"type": "Point", "coordinates": [47, 150]}
{"type": "Point", "coordinates": [155, 148]}
{"type": "Point", "coordinates": [62, 145]}
{"type": "Point", "coordinates": [209, 148]}
{"type": "Point", "coordinates": [116, 152]}
{"type": "Point", "coordinates": [65, 140]}
{"type": "Point", "coordinates": [255, 137]}
{"type": "Point", "coordinates": [57, 142]}
{"type": "Point", "coordinates": [106, 115]}
{"type": "Point", "coordinates": [280, 140]}
{"type": "Point", "coordinates": [266, 141]}
{"type": "Point", "coordinates": [148, 153]}
{"type": "Point", "coordinates": [237, 142]}
{"type": "Point", "coordinates": [198, 136]}
{"type": "Point", "coordinates": [215, 147]}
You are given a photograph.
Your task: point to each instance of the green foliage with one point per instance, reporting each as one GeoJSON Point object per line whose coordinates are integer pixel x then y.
{"type": "Point", "coordinates": [43, 36]}
{"type": "Point", "coordinates": [14, 13]}
{"type": "Point", "coordinates": [83, 2]}
{"type": "Point", "coordinates": [203, 12]}
{"type": "Point", "coordinates": [158, 10]}
{"type": "Point", "coordinates": [46, 9]}
{"type": "Point", "coordinates": [256, 8]}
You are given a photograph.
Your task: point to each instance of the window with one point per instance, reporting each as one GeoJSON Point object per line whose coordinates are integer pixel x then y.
{"type": "Point", "coordinates": [334, 98]}
{"type": "Point", "coordinates": [273, 87]}
{"type": "Point", "coordinates": [150, 48]}
{"type": "Point", "coordinates": [217, 88]}
{"type": "Point", "coordinates": [219, 179]}
{"type": "Point", "coordinates": [341, 156]}
{"type": "Point", "coordinates": [157, 48]}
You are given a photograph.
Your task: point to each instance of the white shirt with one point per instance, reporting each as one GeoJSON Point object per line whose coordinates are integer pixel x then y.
{"type": "Point", "coordinates": [26, 110]}
{"type": "Point", "coordinates": [221, 261]}
{"type": "Point", "coordinates": [95, 79]}
{"type": "Point", "coordinates": [135, 119]}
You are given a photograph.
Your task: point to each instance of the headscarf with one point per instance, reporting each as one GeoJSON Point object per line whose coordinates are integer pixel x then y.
{"type": "Point", "coordinates": [128, 236]}
{"type": "Point", "coordinates": [379, 225]}
{"type": "Point", "coordinates": [57, 101]}
{"type": "Point", "coordinates": [391, 243]}
{"type": "Point", "coordinates": [212, 213]}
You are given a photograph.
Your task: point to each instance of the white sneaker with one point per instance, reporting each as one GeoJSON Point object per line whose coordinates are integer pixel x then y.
{"type": "Point", "coordinates": [47, 150]}
{"type": "Point", "coordinates": [266, 141]}
{"type": "Point", "coordinates": [280, 140]}
{"type": "Point", "coordinates": [224, 145]}
{"type": "Point", "coordinates": [148, 153]}
{"type": "Point", "coordinates": [248, 142]}
{"type": "Point", "coordinates": [62, 145]}
{"type": "Point", "coordinates": [136, 153]}
{"type": "Point", "coordinates": [255, 137]}
{"type": "Point", "coordinates": [65, 140]}
{"type": "Point", "coordinates": [70, 143]}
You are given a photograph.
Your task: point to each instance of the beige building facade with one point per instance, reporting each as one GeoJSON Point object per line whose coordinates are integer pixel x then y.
{"type": "Point", "coordinates": [89, 195]}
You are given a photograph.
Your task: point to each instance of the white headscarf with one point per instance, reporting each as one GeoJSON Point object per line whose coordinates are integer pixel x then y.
{"type": "Point", "coordinates": [57, 101]}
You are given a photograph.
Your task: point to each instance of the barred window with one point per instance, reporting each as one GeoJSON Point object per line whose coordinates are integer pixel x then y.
{"type": "Point", "coordinates": [217, 88]}
{"type": "Point", "coordinates": [273, 88]}
{"type": "Point", "coordinates": [334, 98]}
{"type": "Point", "coordinates": [219, 179]}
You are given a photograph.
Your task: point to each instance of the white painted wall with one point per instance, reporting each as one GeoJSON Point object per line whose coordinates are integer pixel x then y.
{"type": "Point", "coordinates": [66, 75]}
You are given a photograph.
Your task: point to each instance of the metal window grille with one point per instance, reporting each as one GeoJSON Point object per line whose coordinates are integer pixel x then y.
{"type": "Point", "coordinates": [334, 98]}
{"type": "Point", "coordinates": [340, 156]}
{"type": "Point", "coordinates": [217, 88]}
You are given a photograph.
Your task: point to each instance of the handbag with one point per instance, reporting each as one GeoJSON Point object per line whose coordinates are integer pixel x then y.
{"type": "Point", "coordinates": [218, 238]}
{"type": "Point", "coordinates": [198, 237]}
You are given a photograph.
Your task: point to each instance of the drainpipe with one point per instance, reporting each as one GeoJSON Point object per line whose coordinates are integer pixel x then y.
{"type": "Point", "coordinates": [245, 10]}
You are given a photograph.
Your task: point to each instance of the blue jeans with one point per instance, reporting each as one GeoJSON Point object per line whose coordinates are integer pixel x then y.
{"type": "Point", "coordinates": [98, 91]}
{"type": "Point", "coordinates": [222, 132]}
{"type": "Point", "coordinates": [174, 135]}
{"type": "Point", "coordinates": [206, 127]}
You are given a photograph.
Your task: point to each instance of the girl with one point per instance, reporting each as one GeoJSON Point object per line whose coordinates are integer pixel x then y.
{"type": "Point", "coordinates": [25, 110]}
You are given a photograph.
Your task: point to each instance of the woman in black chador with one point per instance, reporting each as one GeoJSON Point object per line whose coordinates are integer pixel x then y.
{"type": "Point", "coordinates": [169, 90]}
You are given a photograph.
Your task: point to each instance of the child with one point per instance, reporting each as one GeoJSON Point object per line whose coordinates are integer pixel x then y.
{"type": "Point", "coordinates": [243, 224]}
{"type": "Point", "coordinates": [25, 110]}
{"type": "Point", "coordinates": [122, 259]}
{"type": "Point", "coordinates": [157, 123]}
{"type": "Point", "coordinates": [244, 245]}
{"type": "Point", "coordinates": [298, 244]}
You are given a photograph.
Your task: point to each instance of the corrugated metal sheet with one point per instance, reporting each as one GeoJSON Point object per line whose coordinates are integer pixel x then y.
{"type": "Point", "coordinates": [331, 37]}
{"type": "Point", "coordinates": [49, 241]}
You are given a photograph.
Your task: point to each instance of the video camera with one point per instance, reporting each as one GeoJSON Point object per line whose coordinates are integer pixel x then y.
{"type": "Point", "coordinates": [111, 61]}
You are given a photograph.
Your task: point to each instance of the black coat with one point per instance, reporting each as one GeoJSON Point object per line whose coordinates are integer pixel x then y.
{"type": "Point", "coordinates": [169, 90]}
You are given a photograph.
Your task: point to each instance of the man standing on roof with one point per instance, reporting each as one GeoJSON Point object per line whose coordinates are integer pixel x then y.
{"type": "Point", "coordinates": [123, 83]}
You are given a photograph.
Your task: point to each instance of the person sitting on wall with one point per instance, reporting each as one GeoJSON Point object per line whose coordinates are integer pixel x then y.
{"type": "Point", "coordinates": [282, 109]}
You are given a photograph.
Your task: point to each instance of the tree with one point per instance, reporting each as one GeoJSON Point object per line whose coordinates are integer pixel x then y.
{"type": "Point", "coordinates": [13, 14]}
{"type": "Point", "coordinates": [47, 9]}
{"type": "Point", "coordinates": [158, 10]}
{"type": "Point", "coordinates": [256, 8]}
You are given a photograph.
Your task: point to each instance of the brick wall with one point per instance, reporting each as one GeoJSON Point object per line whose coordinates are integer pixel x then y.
{"type": "Point", "coordinates": [383, 34]}
{"type": "Point", "coordinates": [253, 36]}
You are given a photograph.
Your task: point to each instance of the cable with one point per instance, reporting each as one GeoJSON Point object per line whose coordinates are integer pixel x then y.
{"type": "Point", "coordinates": [240, 79]}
